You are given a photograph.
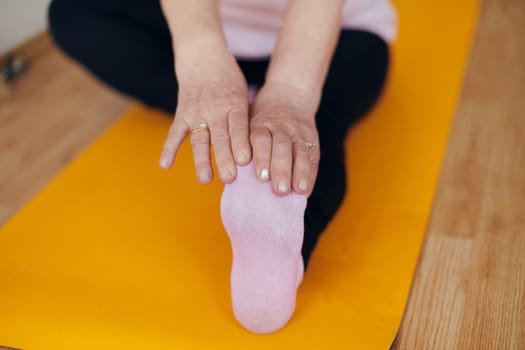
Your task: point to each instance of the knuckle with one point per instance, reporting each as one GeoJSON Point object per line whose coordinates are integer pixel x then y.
{"type": "Point", "coordinates": [282, 159]}
{"type": "Point", "coordinates": [282, 141]}
{"type": "Point", "coordinates": [220, 139]}
{"type": "Point", "coordinates": [223, 156]}
{"type": "Point", "coordinates": [261, 142]}
{"type": "Point", "coordinates": [259, 130]}
{"type": "Point", "coordinates": [302, 152]}
{"type": "Point", "coordinates": [173, 133]}
{"type": "Point", "coordinates": [168, 150]}
{"type": "Point", "coordinates": [199, 139]}
{"type": "Point", "coordinates": [202, 165]}
{"type": "Point", "coordinates": [314, 161]}
{"type": "Point", "coordinates": [261, 121]}
{"type": "Point", "coordinates": [238, 129]}
{"type": "Point", "coordinates": [261, 155]}
{"type": "Point", "coordinates": [226, 163]}
{"type": "Point", "coordinates": [238, 112]}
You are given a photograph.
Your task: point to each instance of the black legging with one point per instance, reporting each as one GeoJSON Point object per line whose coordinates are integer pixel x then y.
{"type": "Point", "coordinates": [127, 44]}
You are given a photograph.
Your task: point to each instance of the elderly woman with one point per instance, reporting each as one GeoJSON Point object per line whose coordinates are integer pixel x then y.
{"type": "Point", "coordinates": [314, 67]}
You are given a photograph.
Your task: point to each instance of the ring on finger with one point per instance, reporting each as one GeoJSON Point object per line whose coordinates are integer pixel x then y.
{"type": "Point", "coordinates": [308, 144]}
{"type": "Point", "coordinates": [199, 127]}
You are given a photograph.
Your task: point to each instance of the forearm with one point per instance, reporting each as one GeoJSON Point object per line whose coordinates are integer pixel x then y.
{"type": "Point", "coordinates": [306, 44]}
{"type": "Point", "coordinates": [194, 25]}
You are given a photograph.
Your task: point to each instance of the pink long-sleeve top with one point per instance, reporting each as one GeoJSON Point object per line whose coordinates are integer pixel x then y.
{"type": "Point", "coordinates": [251, 26]}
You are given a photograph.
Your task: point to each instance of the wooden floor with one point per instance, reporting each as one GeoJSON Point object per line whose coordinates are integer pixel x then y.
{"type": "Point", "coordinates": [53, 111]}
{"type": "Point", "coordinates": [469, 287]}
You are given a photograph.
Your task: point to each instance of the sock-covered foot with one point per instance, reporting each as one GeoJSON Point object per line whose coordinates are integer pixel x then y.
{"type": "Point", "coordinates": [266, 234]}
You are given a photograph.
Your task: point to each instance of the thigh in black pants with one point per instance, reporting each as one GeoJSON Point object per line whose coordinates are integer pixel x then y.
{"type": "Point", "coordinates": [127, 44]}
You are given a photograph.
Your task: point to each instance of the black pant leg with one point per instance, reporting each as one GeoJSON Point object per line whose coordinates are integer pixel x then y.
{"type": "Point", "coordinates": [126, 44]}
{"type": "Point", "coordinates": [354, 81]}
{"type": "Point", "coordinates": [353, 84]}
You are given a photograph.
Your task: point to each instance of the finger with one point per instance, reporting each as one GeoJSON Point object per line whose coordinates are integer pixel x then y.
{"type": "Point", "coordinates": [315, 158]}
{"type": "Point", "coordinates": [220, 139]}
{"type": "Point", "coordinates": [302, 168]}
{"type": "Point", "coordinates": [176, 135]}
{"type": "Point", "coordinates": [200, 144]}
{"type": "Point", "coordinates": [281, 163]}
{"type": "Point", "coordinates": [239, 135]}
{"type": "Point", "coordinates": [261, 141]}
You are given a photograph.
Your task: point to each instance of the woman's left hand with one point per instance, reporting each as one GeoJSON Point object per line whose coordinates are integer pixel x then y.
{"type": "Point", "coordinates": [284, 138]}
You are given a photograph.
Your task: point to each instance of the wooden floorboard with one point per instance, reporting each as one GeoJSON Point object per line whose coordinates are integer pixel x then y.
{"type": "Point", "coordinates": [469, 288]}
{"type": "Point", "coordinates": [53, 111]}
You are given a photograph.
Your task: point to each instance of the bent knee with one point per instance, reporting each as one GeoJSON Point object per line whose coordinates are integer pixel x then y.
{"type": "Point", "coordinates": [60, 14]}
{"type": "Point", "coordinates": [67, 21]}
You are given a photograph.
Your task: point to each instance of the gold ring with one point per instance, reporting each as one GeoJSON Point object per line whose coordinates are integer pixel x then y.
{"type": "Point", "coordinates": [199, 127]}
{"type": "Point", "coordinates": [309, 145]}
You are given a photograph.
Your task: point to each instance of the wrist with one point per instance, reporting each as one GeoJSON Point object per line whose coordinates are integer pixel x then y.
{"type": "Point", "coordinates": [194, 27]}
{"type": "Point", "coordinates": [203, 58]}
{"type": "Point", "coordinates": [283, 93]}
{"type": "Point", "coordinates": [196, 47]}
{"type": "Point", "coordinates": [309, 95]}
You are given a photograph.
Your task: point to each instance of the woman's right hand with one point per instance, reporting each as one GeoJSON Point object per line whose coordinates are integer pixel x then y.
{"type": "Point", "coordinates": [213, 109]}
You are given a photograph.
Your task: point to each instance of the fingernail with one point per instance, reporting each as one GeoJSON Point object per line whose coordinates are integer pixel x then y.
{"type": "Point", "coordinates": [283, 186]}
{"type": "Point", "coordinates": [303, 185]}
{"type": "Point", "coordinates": [204, 176]}
{"type": "Point", "coordinates": [225, 173]}
{"type": "Point", "coordinates": [164, 162]}
{"type": "Point", "coordinates": [241, 157]}
{"type": "Point", "coordinates": [265, 174]}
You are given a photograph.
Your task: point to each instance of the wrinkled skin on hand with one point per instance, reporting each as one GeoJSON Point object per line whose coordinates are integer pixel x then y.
{"type": "Point", "coordinates": [281, 126]}
{"type": "Point", "coordinates": [213, 92]}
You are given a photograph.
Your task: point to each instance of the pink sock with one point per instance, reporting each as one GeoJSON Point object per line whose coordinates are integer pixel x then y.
{"type": "Point", "coordinates": [266, 234]}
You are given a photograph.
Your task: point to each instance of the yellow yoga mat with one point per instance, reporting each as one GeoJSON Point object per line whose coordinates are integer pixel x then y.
{"type": "Point", "coordinates": [117, 254]}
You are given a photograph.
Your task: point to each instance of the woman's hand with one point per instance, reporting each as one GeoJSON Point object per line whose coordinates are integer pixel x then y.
{"type": "Point", "coordinates": [282, 129]}
{"type": "Point", "coordinates": [284, 138]}
{"type": "Point", "coordinates": [213, 109]}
